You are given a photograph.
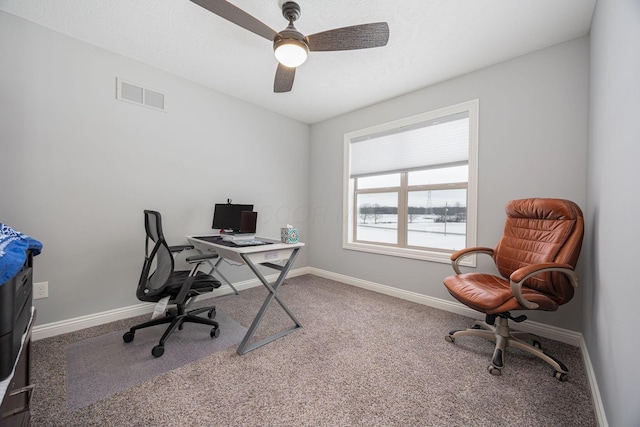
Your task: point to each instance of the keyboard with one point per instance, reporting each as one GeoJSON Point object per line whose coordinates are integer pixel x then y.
{"type": "Point", "coordinates": [233, 243]}
{"type": "Point", "coordinates": [253, 242]}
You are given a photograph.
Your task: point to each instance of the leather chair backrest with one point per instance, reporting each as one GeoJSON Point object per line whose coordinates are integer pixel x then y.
{"type": "Point", "coordinates": [541, 230]}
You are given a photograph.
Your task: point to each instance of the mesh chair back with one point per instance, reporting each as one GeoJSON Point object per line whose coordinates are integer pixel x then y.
{"type": "Point", "coordinates": [538, 231]}
{"type": "Point", "coordinates": [152, 282]}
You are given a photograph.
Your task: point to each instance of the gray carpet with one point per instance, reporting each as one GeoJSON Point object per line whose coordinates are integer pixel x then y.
{"type": "Point", "coordinates": [361, 359]}
{"type": "Point", "coordinates": [104, 365]}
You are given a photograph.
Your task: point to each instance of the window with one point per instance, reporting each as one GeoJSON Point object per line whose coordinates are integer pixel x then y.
{"type": "Point", "coordinates": [410, 185]}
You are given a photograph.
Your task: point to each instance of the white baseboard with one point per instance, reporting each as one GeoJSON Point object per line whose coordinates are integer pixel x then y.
{"type": "Point", "coordinates": [558, 334]}
{"type": "Point", "coordinates": [77, 323]}
{"type": "Point", "coordinates": [70, 325]}
{"type": "Point", "coordinates": [547, 331]}
{"type": "Point", "coordinates": [598, 406]}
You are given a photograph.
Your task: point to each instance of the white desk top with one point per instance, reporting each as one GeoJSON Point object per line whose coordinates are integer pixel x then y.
{"type": "Point", "coordinates": [272, 252]}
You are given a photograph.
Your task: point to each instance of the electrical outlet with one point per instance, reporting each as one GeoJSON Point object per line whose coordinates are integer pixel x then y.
{"type": "Point", "coordinates": [40, 290]}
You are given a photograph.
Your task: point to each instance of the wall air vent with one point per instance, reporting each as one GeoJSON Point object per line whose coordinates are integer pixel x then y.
{"type": "Point", "coordinates": [136, 94]}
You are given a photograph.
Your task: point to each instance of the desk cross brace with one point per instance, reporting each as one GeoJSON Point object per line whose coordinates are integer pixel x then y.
{"type": "Point", "coordinates": [215, 270]}
{"type": "Point", "coordinates": [244, 346]}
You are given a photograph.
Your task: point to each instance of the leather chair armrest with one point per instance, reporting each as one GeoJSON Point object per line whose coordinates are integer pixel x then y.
{"type": "Point", "coordinates": [519, 276]}
{"type": "Point", "coordinates": [457, 256]}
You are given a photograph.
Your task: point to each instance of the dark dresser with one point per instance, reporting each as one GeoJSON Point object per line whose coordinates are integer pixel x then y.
{"type": "Point", "coordinates": [16, 322]}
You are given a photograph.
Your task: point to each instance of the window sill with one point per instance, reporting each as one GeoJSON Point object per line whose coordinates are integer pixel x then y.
{"type": "Point", "coordinates": [423, 255]}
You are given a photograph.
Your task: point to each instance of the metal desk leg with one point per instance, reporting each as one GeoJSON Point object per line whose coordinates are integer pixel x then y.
{"type": "Point", "coordinates": [215, 270]}
{"type": "Point", "coordinates": [244, 346]}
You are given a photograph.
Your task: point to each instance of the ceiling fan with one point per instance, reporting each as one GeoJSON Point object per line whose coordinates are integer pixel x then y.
{"type": "Point", "coordinates": [292, 47]}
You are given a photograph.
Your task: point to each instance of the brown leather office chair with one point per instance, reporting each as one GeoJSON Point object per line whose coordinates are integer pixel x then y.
{"type": "Point", "coordinates": [536, 258]}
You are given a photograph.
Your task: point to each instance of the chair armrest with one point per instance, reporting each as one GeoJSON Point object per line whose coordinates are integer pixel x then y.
{"type": "Point", "coordinates": [180, 248]}
{"type": "Point", "coordinates": [196, 260]}
{"type": "Point", "coordinates": [457, 256]}
{"type": "Point", "coordinates": [186, 286]}
{"type": "Point", "coordinates": [200, 258]}
{"type": "Point", "coordinates": [519, 276]}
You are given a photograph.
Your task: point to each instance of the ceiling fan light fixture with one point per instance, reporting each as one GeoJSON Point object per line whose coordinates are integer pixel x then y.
{"type": "Point", "coordinates": [290, 46]}
{"type": "Point", "coordinates": [291, 52]}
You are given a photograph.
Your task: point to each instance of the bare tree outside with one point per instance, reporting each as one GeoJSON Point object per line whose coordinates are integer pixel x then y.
{"type": "Point", "coordinates": [363, 212]}
{"type": "Point", "coordinates": [377, 213]}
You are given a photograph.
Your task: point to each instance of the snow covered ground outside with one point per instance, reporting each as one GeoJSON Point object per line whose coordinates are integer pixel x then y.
{"type": "Point", "coordinates": [423, 231]}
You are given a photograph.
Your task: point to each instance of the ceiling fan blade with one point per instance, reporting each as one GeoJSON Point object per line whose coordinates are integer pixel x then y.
{"type": "Point", "coordinates": [284, 79]}
{"type": "Point", "coordinates": [238, 16]}
{"type": "Point", "coordinates": [347, 38]}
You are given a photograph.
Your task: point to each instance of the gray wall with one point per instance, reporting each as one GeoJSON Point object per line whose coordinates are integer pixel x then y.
{"type": "Point", "coordinates": [79, 166]}
{"type": "Point", "coordinates": [613, 292]}
{"type": "Point", "coordinates": [532, 142]}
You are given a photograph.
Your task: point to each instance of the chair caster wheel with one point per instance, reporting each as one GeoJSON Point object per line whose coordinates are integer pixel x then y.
{"type": "Point", "coordinates": [128, 336]}
{"type": "Point", "coordinates": [215, 332]}
{"type": "Point", "coordinates": [212, 313]}
{"type": "Point", "coordinates": [449, 338]}
{"type": "Point", "coordinates": [494, 371]}
{"type": "Point", "coordinates": [157, 351]}
{"type": "Point", "coordinates": [561, 376]}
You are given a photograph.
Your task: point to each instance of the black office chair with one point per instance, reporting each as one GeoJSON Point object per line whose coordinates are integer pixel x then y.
{"type": "Point", "coordinates": [182, 287]}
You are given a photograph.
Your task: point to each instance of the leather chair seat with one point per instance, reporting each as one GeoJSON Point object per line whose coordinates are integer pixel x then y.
{"type": "Point", "coordinates": [492, 294]}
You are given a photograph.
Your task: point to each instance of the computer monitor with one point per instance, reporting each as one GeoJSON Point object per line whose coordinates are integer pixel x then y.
{"type": "Point", "coordinates": [229, 216]}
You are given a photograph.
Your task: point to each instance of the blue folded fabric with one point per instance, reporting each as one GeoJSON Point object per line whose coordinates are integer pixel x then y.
{"type": "Point", "coordinates": [13, 251]}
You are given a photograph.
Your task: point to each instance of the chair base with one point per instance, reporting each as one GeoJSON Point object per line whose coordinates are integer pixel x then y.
{"type": "Point", "coordinates": [176, 317]}
{"type": "Point", "coordinates": [503, 337]}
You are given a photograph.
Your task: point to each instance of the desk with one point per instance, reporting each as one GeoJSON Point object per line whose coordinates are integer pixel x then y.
{"type": "Point", "coordinates": [252, 256]}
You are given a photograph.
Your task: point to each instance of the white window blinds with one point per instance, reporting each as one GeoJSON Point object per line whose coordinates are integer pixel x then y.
{"type": "Point", "coordinates": [439, 142]}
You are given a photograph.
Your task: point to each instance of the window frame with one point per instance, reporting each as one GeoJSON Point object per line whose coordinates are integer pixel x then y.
{"type": "Point", "coordinates": [401, 249]}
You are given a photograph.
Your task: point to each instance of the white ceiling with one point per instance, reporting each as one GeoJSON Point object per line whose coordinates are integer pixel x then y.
{"type": "Point", "coordinates": [430, 41]}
